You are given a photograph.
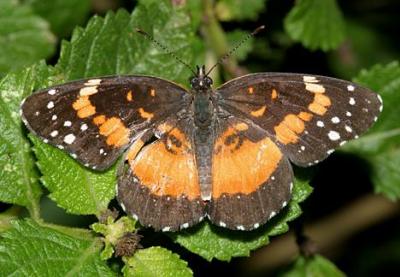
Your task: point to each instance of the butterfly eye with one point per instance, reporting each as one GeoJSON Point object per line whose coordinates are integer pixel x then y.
{"type": "Point", "coordinates": [208, 81]}
{"type": "Point", "coordinates": [194, 81]}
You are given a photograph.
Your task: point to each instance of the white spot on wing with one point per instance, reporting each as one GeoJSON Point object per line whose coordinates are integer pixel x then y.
{"type": "Point", "coordinates": [256, 225]}
{"type": "Point", "coordinates": [315, 88]}
{"type": "Point", "coordinates": [54, 117]}
{"type": "Point", "coordinates": [352, 101]}
{"type": "Point", "coordinates": [50, 105]}
{"type": "Point", "coordinates": [348, 129]}
{"type": "Point", "coordinates": [70, 138]}
{"type": "Point", "coordinates": [67, 123]}
{"type": "Point", "coordinates": [320, 124]}
{"type": "Point", "coordinates": [333, 135]}
{"type": "Point", "coordinates": [88, 91]}
{"type": "Point", "coordinates": [240, 227]}
{"type": "Point", "coordinates": [52, 92]}
{"type": "Point", "coordinates": [134, 216]}
{"type": "Point", "coordinates": [54, 133]}
{"type": "Point", "coordinates": [84, 127]}
{"type": "Point", "coordinates": [335, 120]}
{"type": "Point", "coordinates": [166, 229]}
{"type": "Point", "coordinates": [310, 79]}
{"type": "Point", "coordinates": [93, 82]}
{"type": "Point", "coordinates": [222, 224]}
{"type": "Point", "coordinates": [350, 88]}
{"type": "Point", "coordinates": [184, 225]}
{"type": "Point", "coordinates": [348, 114]}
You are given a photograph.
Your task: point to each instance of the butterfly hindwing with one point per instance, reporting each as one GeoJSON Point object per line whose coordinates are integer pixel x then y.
{"type": "Point", "coordinates": [160, 184]}
{"type": "Point", "coordinates": [252, 179]}
{"type": "Point", "coordinates": [95, 120]}
{"type": "Point", "coordinates": [307, 116]}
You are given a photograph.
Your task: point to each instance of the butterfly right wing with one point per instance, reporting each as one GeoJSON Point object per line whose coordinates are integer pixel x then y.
{"type": "Point", "coordinates": [308, 116]}
{"type": "Point", "coordinates": [252, 178]}
{"type": "Point", "coordinates": [159, 184]}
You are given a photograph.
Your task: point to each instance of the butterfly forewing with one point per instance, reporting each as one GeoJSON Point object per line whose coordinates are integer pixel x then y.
{"type": "Point", "coordinates": [307, 116]}
{"type": "Point", "coordinates": [95, 120]}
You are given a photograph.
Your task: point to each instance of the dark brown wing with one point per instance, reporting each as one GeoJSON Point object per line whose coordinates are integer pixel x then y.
{"type": "Point", "coordinates": [308, 116]}
{"type": "Point", "coordinates": [159, 184]}
{"type": "Point", "coordinates": [95, 120]}
{"type": "Point", "coordinates": [252, 178]}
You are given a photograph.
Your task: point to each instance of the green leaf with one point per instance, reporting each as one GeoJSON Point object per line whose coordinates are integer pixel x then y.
{"type": "Point", "coordinates": [156, 261]}
{"type": "Point", "coordinates": [62, 15]}
{"type": "Point", "coordinates": [317, 24]}
{"type": "Point", "coordinates": [381, 145]}
{"type": "Point", "coordinates": [108, 46]}
{"type": "Point", "coordinates": [29, 249]}
{"type": "Point", "coordinates": [212, 242]}
{"type": "Point", "coordinates": [18, 177]}
{"type": "Point", "coordinates": [24, 37]}
{"type": "Point", "coordinates": [315, 266]}
{"type": "Point", "coordinates": [111, 45]}
{"type": "Point", "coordinates": [229, 10]}
{"type": "Point", "coordinates": [234, 38]}
{"type": "Point", "coordinates": [73, 187]}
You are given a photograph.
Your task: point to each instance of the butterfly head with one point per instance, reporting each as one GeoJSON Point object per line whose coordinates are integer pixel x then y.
{"type": "Point", "coordinates": [201, 81]}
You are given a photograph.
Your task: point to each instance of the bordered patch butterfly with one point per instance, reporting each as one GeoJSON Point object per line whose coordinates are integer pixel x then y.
{"type": "Point", "coordinates": [222, 154]}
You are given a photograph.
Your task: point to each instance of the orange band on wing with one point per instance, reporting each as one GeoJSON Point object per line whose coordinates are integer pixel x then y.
{"type": "Point", "coordinates": [243, 169]}
{"type": "Point", "coordinates": [168, 170]}
{"type": "Point", "coordinates": [114, 129]}
{"type": "Point", "coordinates": [83, 107]}
{"type": "Point", "coordinates": [287, 131]}
{"type": "Point", "coordinates": [320, 104]}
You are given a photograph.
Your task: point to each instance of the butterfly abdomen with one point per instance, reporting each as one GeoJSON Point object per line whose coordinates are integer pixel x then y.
{"type": "Point", "coordinates": [203, 140]}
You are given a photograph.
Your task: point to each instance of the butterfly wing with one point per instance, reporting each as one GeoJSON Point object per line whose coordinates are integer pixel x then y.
{"type": "Point", "coordinates": [307, 116]}
{"type": "Point", "coordinates": [160, 184]}
{"type": "Point", "coordinates": [252, 179]}
{"type": "Point", "coordinates": [95, 120]}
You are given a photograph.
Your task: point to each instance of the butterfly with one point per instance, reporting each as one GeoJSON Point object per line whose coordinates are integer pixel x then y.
{"type": "Point", "coordinates": [219, 153]}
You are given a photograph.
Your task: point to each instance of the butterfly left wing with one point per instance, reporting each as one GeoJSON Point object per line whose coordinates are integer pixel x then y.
{"type": "Point", "coordinates": [307, 116]}
{"type": "Point", "coordinates": [95, 120]}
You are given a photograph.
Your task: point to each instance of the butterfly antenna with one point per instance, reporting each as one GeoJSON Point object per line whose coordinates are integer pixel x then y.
{"type": "Point", "coordinates": [227, 55]}
{"type": "Point", "coordinates": [164, 48]}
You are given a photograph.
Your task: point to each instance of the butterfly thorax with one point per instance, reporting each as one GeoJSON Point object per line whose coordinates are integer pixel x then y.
{"type": "Point", "coordinates": [202, 101]}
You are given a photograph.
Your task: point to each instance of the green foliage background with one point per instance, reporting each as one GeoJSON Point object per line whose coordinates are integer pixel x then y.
{"type": "Point", "coordinates": [44, 42]}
